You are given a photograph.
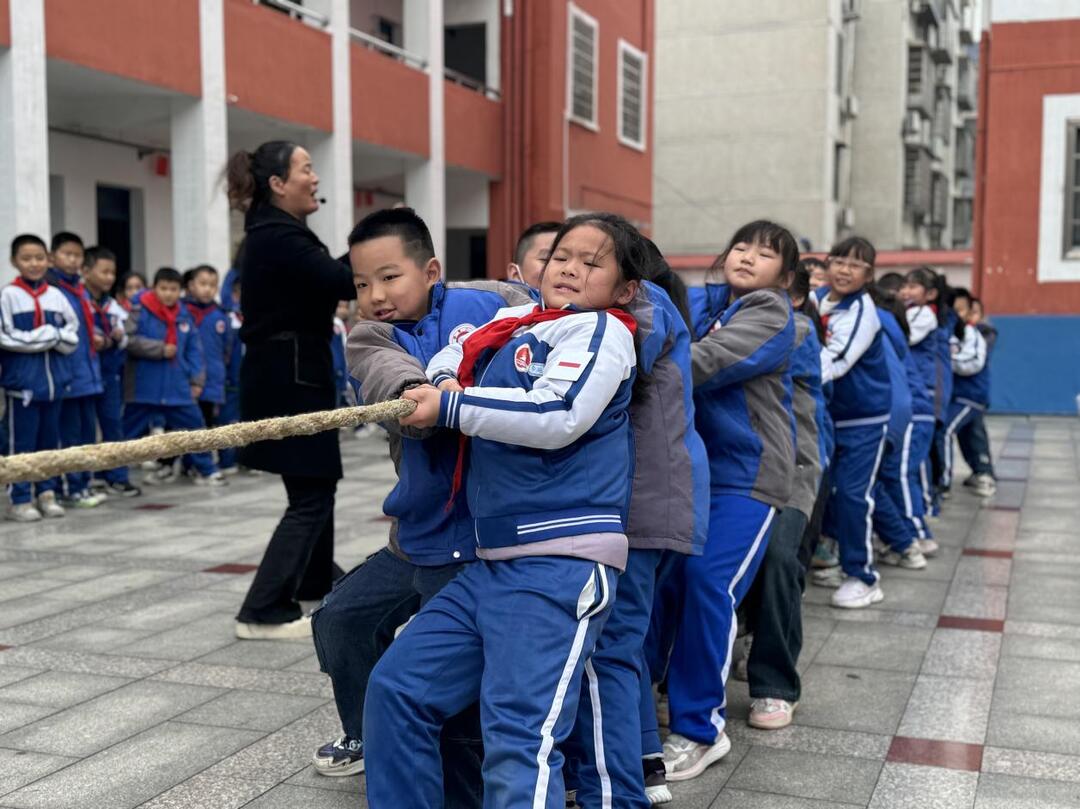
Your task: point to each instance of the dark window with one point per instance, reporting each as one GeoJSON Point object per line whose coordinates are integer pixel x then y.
{"type": "Point", "coordinates": [465, 51]}
{"type": "Point", "coordinates": [632, 77]}
{"type": "Point", "coordinates": [114, 224]}
{"type": "Point", "coordinates": [1072, 192]}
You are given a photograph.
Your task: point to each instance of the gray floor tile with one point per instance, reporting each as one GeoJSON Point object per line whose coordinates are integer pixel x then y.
{"type": "Point", "coordinates": [867, 646]}
{"type": "Point", "coordinates": [1006, 792]}
{"type": "Point", "coordinates": [12, 674]}
{"type": "Point", "coordinates": [907, 786]}
{"type": "Point", "coordinates": [133, 771]}
{"type": "Point", "coordinates": [977, 602]}
{"type": "Point", "coordinates": [107, 719]}
{"type": "Point", "coordinates": [22, 611]}
{"type": "Point", "coordinates": [963, 653]}
{"type": "Point", "coordinates": [195, 639]}
{"type": "Point", "coordinates": [1063, 649]}
{"type": "Point", "coordinates": [1051, 688]}
{"type": "Point", "coordinates": [17, 714]}
{"type": "Point", "coordinates": [1048, 542]}
{"type": "Point", "coordinates": [205, 792]}
{"type": "Point", "coordinates": [947, 708]}
{"type": "Point", "coordinates": [60, 689]}
{"type": "Point", "coordinates": [1040, 629]}
{"type": "Point", "coordinates": [175, 611]}
{"type": "Point", "coordinates": [980, 571]}
{"type": "Point", "coordinates": [279, 682]}
{"type": "Point", "coordinates": [75, 572]}
{"type": "Point", "coordinates": [252, 710]}
{"type": "Point", "coordinates": [849, 780]}
{"type": "Point", "coordinates": [1058, 520]}
{"type": "Point", "coordinates": [814, 740]}
{"type": "Point", "coordinates": [745, 799]}
{"type": "Point", "coordinates": [307, 777]}
{"type": "Point", "coordinates": [1031, 764]}
{"type": "Point", "coordinates": [264, 654]}
{"type": "Point", "coordinates": [61, 660]}
{"type": "Point", "coordinates": [1025, 731]}
{"type": "Point", "coordinates": [836, 697]}
{"type": "Point", "coordinates": [701, 792]}
{"type": "Point", "coordinates": [288, 796]}
{"type": "Point", "coordinates": [1047, 598]}
{"type": "Point", "coordinates": [913, 595]}
{"type": "Point", "coordinates": [94, 638]}
{"type": "Point", "coordinates": [18, 767]}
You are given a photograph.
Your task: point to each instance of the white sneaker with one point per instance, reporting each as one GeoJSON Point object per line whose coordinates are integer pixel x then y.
{"type": "Point", "coordinates": [928, 547]}
{"type": "Point", "coordinates": [984, 485]}
{"type": "Point", "coordinates": [48, 506]}
{"type": "Point", "coordinates": [229, 471]}
{"type": "Point", "coordinates": [855, 594]}
{"type": "Point", "coordinates": [23, 512]}
{"type": "Point", "coordinates": [685, 759]}
{"type": "Point", "coordinates": [771, 714]}
{"type": "Point", "coordinates": [828, 576]}
{"type": "Point", "coordinates": [912, 558]}
{"type": "Point", "coordinates": [215, 480]}
{"type": "Point", "coordinates": [300, 628]}
{"type": "Point", "coordinates": [161, 475]}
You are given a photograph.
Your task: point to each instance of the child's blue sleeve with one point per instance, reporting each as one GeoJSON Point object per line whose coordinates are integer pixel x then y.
{"type": "Point", "coordinates": [757, 340]}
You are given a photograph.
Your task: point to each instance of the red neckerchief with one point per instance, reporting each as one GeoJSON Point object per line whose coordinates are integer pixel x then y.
{"type": "Point", "coordinates": [102, 314]}
{"type": "Point", "coordinates": [79, 291]}
{"type": "Point", "coordinates": [199, 311]}
{"type": "Point", "coordinates": [150, 303]}
{"type": "Point", "coordinates": [494, 336]}
{"type": "Point", "coordinates": [35, 294]}
{"type": "Point", "coordinates": [125, 303]}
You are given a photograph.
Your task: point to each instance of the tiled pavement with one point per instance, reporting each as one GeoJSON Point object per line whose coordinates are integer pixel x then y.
{"type": "Point", "coordinates": [121, 684]}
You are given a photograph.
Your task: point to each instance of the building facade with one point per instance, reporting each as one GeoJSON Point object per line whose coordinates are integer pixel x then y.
{"type": "Point", "coordinates": [832, 116]}
{"type": "Point", "coordinates": [116, 118]}
{"type": "Point", "coordinates": [1027, 220]}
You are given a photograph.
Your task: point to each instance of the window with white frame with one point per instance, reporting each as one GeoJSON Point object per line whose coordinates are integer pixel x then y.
{"type": "Point", "coordinates": [633, 82]}
{"type": "Point", "coordinates": [1072, 191]}
{"type": "Point", "coordinates": [582, 67]}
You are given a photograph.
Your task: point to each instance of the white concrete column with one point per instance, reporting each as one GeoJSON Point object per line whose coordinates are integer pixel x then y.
{"type": "Point", "coordinates": [199, 151]}
{"type": "Point", "coordinates": [332, 153]}
{"type": "Point", "coordinates": [425, 184]}
{"type": "Point", "coordinates": [24, 128]}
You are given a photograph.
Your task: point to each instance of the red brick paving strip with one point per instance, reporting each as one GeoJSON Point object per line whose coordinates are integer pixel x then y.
{"type": "Point", "coordinates": [934, 753]}
{"type": "Point", "coordinates": [977, 624]}
{"type": "Point", "coordinates": [231, 567]}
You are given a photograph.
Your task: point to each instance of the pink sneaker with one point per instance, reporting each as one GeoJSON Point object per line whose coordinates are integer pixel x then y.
{"type": "Point", "coordinates": [771, 714]}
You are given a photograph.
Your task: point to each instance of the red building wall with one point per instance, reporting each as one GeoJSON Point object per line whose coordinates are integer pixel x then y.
{"type": "Point", "coordinates": [5, 24]}
{"type": "Point", "coordinates": [1022, 62]}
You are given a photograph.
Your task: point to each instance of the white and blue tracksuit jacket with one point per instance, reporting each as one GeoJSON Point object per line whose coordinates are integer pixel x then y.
{"type": "Point", "coordinates": [551, 456]}
{"type": "Point", "coordinates": [151, 379]}
{"type": "Point", "coordinates": [922, 398]}
{"type": "Point", "coordinates": [215, 337]}
{"type": "Point", "coordinates": [386, 359]}
{"type": "Point", "coordinates": [971, 369]}
{"type": "Point", "coordinates": [34, 359]}
{"type": "Point", "coordinates": [109, 315]}
{"type": "Point", "coordinates": [85, 366]}
{"type": "Point", "coordinates": [853, 359]}
{"type": "Point", "coordinates": [742, 390]}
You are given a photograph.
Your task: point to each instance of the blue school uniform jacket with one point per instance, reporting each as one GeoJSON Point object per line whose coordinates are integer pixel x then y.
{"type": "Point", "coordinates": [337, 355]}
{"type": "Point", "coordinates": [551, 454]}
{"type": "Point", "coordinates": [149, 378]}
{"type": "Point", "coordinates": [109, 316]}
{"type": "Point", "coordinates": [215, 337]}
{"type": "Point", "coordinates": [388, 358]}
{"type": "Point", "coordinates": [922, 400]}
{"type": "Point", "coordinates": [853, 359]}
{"type": "Point", "coordinates": [34, 359]}
{"type": "Point", "coordinates": [742, 390]}
{"type": "Point", "coordinates": [971, 369]}
{"type": "Point", "coordinates": [669, 504]}
{"type": "Point", "coordinates": [85, 365]}
{"type": "Point", "coordinates": [236, 354]}
{"type": "Point", "coordinates": [944, 355]}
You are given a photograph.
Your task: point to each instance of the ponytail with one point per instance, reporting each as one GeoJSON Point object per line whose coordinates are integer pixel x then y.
{"type": "Point", "coordinates": [247, 174]}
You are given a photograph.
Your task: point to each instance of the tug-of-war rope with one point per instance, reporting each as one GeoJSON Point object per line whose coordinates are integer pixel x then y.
{"type": "Point", "coordinates": [33, 466]}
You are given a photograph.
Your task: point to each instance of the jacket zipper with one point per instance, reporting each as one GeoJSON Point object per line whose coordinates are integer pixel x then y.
{"type": "Point", "coordinates": [48, 375]}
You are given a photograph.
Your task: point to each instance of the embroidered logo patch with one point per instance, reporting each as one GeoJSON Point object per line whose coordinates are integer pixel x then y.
{"type": "Point", "coordinates": [458, 335]}
{"type": "Point", "coordinates": [523, 358]}
{"type": "Point", "coordinates": [183, 326]}
{"type": "Point", "coordinates": [219, 327]}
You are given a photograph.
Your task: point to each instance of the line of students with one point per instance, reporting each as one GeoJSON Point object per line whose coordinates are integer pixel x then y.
{"type": "Point", "coordinates": [619, 463]}
{"type": "Point", "coordinates": [78, 363]}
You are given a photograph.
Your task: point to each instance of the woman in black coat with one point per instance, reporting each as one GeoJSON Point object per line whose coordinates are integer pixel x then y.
{"type": "Point", "coordinates": [290, 286]}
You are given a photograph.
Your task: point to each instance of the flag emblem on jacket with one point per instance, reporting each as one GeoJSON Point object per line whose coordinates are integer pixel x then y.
{"type": "Point", "coordinates": [523, 358]}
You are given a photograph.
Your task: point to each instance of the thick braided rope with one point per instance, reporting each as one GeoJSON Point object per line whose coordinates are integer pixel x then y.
{"type": "Point", "coordinates": [33, 466]}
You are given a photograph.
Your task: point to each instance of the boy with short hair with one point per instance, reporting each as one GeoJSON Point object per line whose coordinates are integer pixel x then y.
{"type": "Point", "coordinates": [37, 327]}
{"type": "Point", "coordinates": [99, 276]}
{"type": "Point", "coordinates": [212, 323]}
{"type": "Point", "coordinates": [78, 413]}
{"type": "Point", "coordinates": [531, 253]}
{"type": "Point", "coordinates": [408, 315]}
{"type": "Point", "coordinates": [165, 370]}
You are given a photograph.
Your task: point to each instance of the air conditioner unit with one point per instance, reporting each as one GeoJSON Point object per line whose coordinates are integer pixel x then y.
{"type": "Point", "coordinates": [846, 218]}
{"type": "Point", "coordinates": [851, 107]}
{"type": "Point", "coordinates": [912, 124]}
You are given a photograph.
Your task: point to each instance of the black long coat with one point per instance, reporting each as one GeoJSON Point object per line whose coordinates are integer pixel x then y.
{"type": "Point", "coordinates": [290, 287]}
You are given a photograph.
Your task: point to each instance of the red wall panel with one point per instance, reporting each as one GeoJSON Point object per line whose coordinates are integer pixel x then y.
{"type": "Point", "coordinates": [473, 130]}
{"type": "Point", "coordinates": [5, 24]}
{"type": "Point", "coordinates": [156, 43]}
{"type": "Point", "coordinates": [1027, 61]}
{"type": "Point", "coordinates": [389, 102]}
{"type": "Point", "coordinates": [277, 66]}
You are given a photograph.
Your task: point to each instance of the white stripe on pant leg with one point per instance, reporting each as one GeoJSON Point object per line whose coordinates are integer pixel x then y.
{"type": "Point", "coordinates": [905, 463]}
{"type": "Point", "coordinates": [598, 736]}
{"type": "Point", "coordinates": [715, 717]}
{"type": "Point", "coordinates": [547, 740]}
{"type": "Point", "coordinates": [11, 439]}
{"type": "Point", "coordinates": [869, 497]}
{"type": "Point", "coordinates": [924, 478]}
{"type": "Point", "coordinates": [950, 431]}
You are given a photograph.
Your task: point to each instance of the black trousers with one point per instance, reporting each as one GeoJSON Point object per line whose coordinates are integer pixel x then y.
{"type": "Point", "coordinates": [299, 561]}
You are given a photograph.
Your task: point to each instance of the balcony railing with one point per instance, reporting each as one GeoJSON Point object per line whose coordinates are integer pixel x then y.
{"type": "Point", "coordinates": [296, 11]}
{"type": "Point", "coordinates": [943, 42]}
{"type": "Point", "coordinates": [967, 25]}
{"type": "Point", "coordinates": [931, 12]}
{"type": "Point", "coordinates": [920, 80]}
{"type": "Point", "coordinates": [965, 86]}
{"type": "Point", "coordinates": [384, 47]}
{"type": "Point", "coordinates": [918, 176]}
{"type": "Point", "coordinates": [471, 83]}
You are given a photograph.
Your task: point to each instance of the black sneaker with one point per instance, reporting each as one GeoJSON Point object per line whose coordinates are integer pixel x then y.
{"type": "Point", "coordinates": [124, 489]}
{"type": "Point", "coordinates": [339, 758]}
{"type": "Point", "coordinates": [656, 788]}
